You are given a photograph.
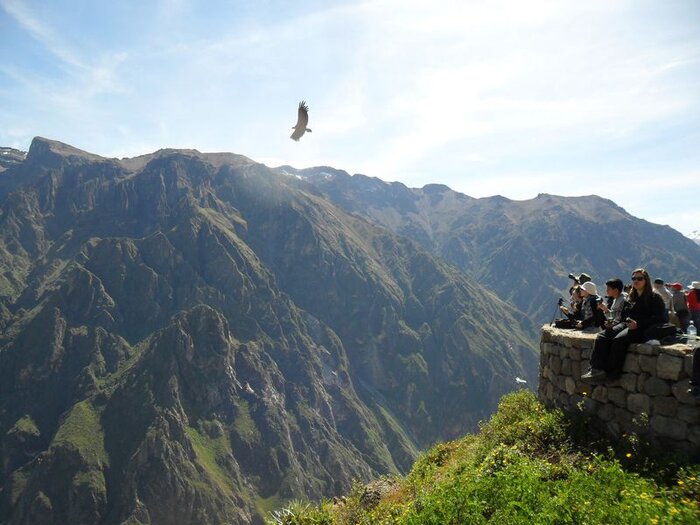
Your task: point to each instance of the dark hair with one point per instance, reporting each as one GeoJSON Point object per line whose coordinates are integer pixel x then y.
{"type": "Point", "coordinates": [647, 291]}
{"type": "Point", "coordinates": [658, 281]}
{"type": "Point", "coordinates": [576, 289]}
{"type": "Point", "coordinates": [615, 283]}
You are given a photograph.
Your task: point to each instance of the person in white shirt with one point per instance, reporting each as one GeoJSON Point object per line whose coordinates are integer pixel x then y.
{"type": "Point", "coordinates": [615, 301]}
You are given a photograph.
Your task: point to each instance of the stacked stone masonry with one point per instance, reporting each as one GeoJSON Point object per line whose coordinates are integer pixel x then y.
{"type": "Point", "coordinates": [650, 398]}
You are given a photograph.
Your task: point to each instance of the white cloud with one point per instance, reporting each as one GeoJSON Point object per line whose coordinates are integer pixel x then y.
{"type": "Point", "coordinates": [587, 86]}
{"type": "Point", "coordinates": [40, 31]}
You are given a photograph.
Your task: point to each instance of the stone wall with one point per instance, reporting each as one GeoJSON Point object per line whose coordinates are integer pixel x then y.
{"type": "Point", "coordinates": [650, 398]}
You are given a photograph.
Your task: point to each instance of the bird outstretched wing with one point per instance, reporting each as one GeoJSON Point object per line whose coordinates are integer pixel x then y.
{"type": "Point", "coordinates": [302, 120]}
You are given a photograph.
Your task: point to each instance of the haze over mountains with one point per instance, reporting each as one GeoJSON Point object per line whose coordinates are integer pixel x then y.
{"type": "Point", "coordinates": [197, 337]}
{"type": "Point", "coordinates": [523, 250]}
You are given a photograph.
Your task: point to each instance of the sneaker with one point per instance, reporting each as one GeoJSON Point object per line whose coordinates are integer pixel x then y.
{"type": "Point", "coordinates": [593, 374]}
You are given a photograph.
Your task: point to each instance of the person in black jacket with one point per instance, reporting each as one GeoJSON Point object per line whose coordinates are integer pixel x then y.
{"type": "Point", "coordinates": [647, 310]}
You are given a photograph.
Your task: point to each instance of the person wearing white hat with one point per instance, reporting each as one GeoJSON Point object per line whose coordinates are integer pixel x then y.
{"type": "Point", "coordinates": [591, 315]}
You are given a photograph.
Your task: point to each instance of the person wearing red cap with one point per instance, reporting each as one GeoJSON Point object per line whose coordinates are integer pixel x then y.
{"type": "Point", "coordinates": [694, 302]}
{"type": "Point", "coordinates": [680, 315]}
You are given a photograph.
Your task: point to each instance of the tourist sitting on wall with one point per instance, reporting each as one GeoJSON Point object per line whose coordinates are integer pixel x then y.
{"type": "Point", "coordinates": [610, 346]}
{"type": "Point", "coordinates": [578, 281]}
{"type": "Point", "coordinates": [615, 302]}
{"type": "Point", "coordinates": [572, 312]}
{"type": "Point", "coordinates": [680, 315]}
{"type": "Point", "coordinates": [591, 315]}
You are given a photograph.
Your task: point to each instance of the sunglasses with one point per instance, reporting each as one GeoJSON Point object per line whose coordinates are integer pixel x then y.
{"type": "Point", "coordinates": [637, 278]}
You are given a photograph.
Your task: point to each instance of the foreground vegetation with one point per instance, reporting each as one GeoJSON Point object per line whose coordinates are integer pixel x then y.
{"type": "Point", "coordinates": [526, 465]}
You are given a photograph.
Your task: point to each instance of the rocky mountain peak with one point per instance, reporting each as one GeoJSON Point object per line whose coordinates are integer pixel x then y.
{"type": "Point", "coordinates": [435, 188]}
{"type": "Point", "coordinates": [42, 149]}
{"type": "Point", "coordinates": [10, 157]}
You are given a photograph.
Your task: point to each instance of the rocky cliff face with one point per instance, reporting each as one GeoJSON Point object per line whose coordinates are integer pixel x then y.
{"type": "Point", "coordinates": [523, 250]}
{"type": "Point", "coordinates": [193, 338]}
{"type": "Point", "coordinates": [10, 157]}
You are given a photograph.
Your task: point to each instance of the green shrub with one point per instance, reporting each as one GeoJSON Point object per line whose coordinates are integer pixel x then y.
{"type": "Point", "coordinates": [521, 419]}
{"type": "Point", "coordinates": [522, 468]}
{"type": "Point", "coordinates": [523, 491]}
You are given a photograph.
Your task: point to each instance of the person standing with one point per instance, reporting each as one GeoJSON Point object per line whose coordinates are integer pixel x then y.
{"type": "Point", "coordinates": [694, 302]}
{"type": "Point", "coordinates": [679, 307]}
{"type": "Point", "coordinates": [610, 346]}
{"type": "Point", "coordinates": [660, 288]}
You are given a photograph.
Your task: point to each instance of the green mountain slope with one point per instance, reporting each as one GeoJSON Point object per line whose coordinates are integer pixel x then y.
{"type": "Point", "coordinates": [192, 338]}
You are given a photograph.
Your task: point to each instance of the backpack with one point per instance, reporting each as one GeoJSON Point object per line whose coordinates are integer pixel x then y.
{"type": "Point", "coordinates": [663, 332]}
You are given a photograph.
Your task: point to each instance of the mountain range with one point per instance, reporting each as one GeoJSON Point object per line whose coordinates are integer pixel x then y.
{"type": "Point", "coordinates": [196, 338]}
{"type": "Point", "coordinates": [521, 250]}
{"type": "Point", "coordinates": [193, 337]}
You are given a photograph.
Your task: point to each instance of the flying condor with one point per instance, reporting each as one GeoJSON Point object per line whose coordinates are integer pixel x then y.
{"type": "Point", "coordinates": [302, 121]}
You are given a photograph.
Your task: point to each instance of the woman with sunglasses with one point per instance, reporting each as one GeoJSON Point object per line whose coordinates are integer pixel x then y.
{"type": "Point", "coordinates": [610, 346]}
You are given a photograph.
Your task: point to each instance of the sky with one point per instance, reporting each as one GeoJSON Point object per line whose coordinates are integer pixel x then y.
{"type": "Point", "coordinates": [509, 98]}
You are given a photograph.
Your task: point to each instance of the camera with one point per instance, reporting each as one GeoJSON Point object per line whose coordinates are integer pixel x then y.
{"type": "Point", "coordinates": [572, 276]}
{"type": "Point", "coordinates": [599, 300]}
{"type": "Point", "coordinates": [560, 301]}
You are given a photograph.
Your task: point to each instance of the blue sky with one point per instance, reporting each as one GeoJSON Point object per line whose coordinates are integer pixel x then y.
{"type": "Point", "coordinates": [506, 97]}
